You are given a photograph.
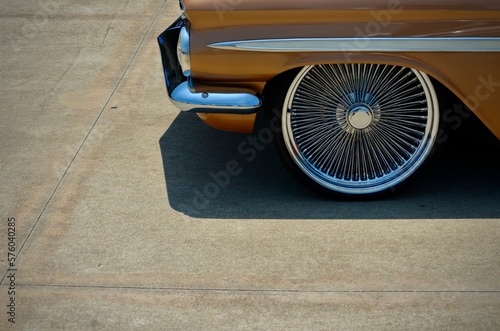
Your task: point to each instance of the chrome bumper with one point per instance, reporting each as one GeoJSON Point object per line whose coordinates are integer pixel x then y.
{"type": "Point", "coordinates": [181, 94]}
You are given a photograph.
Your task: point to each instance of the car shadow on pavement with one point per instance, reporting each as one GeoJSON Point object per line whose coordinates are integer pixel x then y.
{"type": "Point", "coordinates": [218, 175]}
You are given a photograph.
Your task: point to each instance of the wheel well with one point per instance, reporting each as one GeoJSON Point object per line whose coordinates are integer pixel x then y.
{"type": "Point", "coordinates": [272, 86]}
{"type": "Point", "coordinates": [457, 115]}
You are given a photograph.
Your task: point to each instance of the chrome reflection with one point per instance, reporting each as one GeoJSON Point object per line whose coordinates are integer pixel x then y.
{"type": "Point", "coordinates": [230, 103]}
{"type": "Point", "coordinates": [184, 52]}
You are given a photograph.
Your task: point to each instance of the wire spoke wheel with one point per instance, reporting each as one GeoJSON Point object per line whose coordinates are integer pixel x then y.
{"type": "Point", "coordinates": [359, 128]}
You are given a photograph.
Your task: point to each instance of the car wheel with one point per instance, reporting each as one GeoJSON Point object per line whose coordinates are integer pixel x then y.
{"type": "Point", "coordinates": [355, 130]}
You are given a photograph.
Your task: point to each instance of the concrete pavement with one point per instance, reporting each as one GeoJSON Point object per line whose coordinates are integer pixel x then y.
{"type": "Point", "coordinates": [101, 175]}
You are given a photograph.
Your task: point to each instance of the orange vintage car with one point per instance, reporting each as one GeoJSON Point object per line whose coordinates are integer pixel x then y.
{"type": "Point", "coordinates": [356, 92]}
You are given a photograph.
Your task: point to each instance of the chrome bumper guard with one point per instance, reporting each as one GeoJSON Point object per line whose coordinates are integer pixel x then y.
{"type": "Point", "coordinates": [178, 88]}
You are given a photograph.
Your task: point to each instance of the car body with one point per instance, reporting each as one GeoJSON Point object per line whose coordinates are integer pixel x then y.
{"type": "Point", "coordinates": [356, 89]}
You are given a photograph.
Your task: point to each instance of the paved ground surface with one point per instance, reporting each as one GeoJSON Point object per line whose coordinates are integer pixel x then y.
{"type": "Point", "coordinates": [100, 173]}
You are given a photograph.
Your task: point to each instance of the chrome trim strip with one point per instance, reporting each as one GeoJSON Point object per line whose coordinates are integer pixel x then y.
{"type": "Point", "coordinates": [225, 103]}
{"type": "Point", "coordinates": [352, 45]}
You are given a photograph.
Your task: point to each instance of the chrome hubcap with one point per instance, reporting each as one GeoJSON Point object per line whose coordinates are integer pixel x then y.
{"type": "Point", "coordinates": [360, 128]}
{"type": "Point", "coordinates": [360, 116]}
